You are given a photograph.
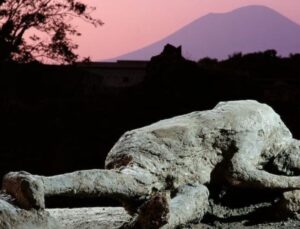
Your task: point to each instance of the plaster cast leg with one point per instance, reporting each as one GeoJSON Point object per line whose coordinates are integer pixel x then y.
{"type": "Point", "coordinates": [29, 190]}
{"type": "Point", "coordinates": [190, 203]}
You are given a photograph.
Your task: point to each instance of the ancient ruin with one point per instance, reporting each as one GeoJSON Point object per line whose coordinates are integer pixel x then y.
{"type": "Point", "coordinates": [162, 173]}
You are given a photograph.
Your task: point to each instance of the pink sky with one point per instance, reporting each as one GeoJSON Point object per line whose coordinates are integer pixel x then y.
{"type": "Point", "coordinates": [133, 24]}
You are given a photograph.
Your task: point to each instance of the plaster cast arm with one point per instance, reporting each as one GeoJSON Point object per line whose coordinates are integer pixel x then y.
{"type": "Point", "coordinates": [244, 170]}
{"type": "Point", "coordinates": [189, 203]}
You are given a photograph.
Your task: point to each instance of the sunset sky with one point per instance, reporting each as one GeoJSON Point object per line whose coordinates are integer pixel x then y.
{"type": "Point", "coordinates": [133, 24]}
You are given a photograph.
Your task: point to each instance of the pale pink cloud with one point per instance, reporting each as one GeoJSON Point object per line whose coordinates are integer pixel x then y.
{"type": "Point", "coordinates": [132, 24]}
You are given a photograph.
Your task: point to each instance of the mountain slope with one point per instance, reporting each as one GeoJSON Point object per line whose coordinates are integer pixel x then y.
{"type": "Point", "coordinates": [247, 29]}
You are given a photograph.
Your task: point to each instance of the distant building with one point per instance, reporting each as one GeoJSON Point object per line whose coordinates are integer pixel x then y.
{"type": "Point", "coordinates": [120, 74]}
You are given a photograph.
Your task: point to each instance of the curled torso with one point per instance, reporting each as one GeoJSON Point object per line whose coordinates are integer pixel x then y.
{"type": "Point", "coordinates": [186, 149]}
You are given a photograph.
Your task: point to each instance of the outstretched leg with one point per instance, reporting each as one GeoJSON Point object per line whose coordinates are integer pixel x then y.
{"type": "Point", "coordinates": [30, 190]}
{"type": "Point", "coordinates": [190, 203]}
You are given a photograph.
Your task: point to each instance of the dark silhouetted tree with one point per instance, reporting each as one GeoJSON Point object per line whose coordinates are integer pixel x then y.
{"type": "Point", "coordinates": [41, 30]}
{"type": "Point", "coordinates": [207, 61]}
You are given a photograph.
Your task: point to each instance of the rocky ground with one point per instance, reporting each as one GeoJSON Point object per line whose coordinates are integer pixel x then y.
{"type": "Point", "coordinates": [88, 218]}
{"type": "Point", "coordinates": [113, 217]}
{"type": "Point", "coordinates": [220, 215]}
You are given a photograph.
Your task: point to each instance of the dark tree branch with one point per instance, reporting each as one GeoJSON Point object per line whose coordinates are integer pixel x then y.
{"type": "Point", "coordinates": [51, 19]}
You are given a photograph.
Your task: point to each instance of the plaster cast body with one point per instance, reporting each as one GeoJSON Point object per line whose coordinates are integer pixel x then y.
{"type": "Point", "coordinates": [161, 172]}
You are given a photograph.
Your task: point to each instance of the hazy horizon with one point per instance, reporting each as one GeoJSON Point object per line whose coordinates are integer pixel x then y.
{"type": "Point", "coordinates": [134, 24]}
{"type": "Point", "coordinates": [222, 34]}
